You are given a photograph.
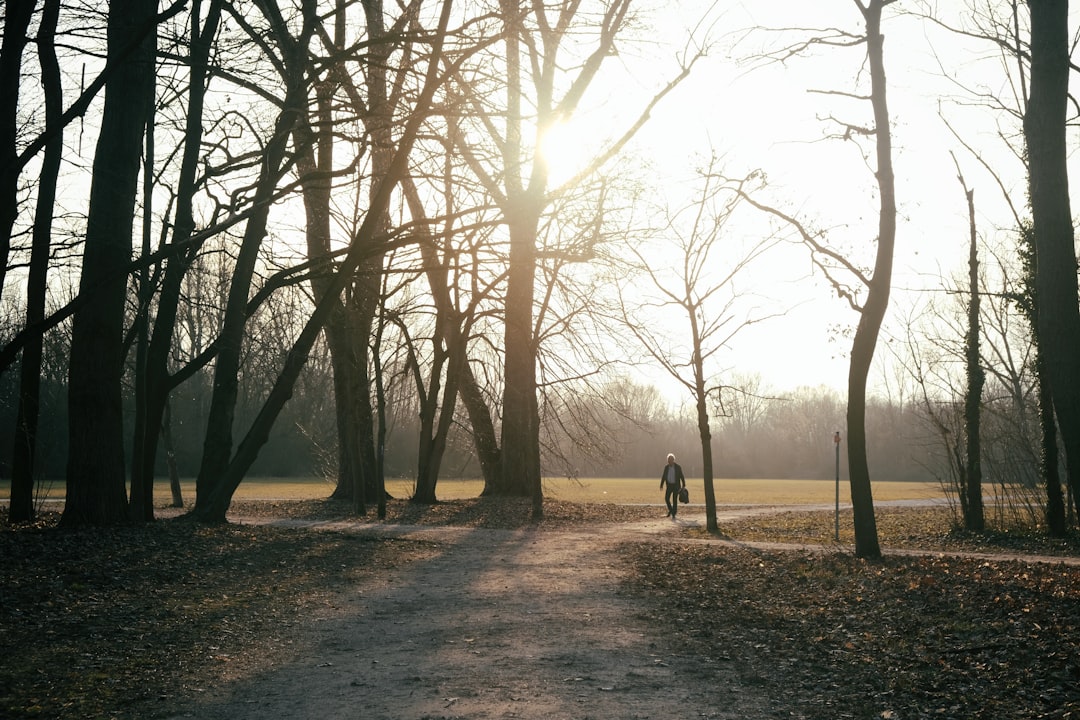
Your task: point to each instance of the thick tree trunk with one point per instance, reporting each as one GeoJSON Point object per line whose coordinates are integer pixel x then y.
{"type": "Point", "coordinates": [348, 450]}
{"type": "Point", "coordinates": [349, 462]}
{"type": "Point", "coordinates": [1056, 521]}
{"type": "Point", "coordinates": [1058, 316]}
{"type": "Point", "coordinates": [520, 467]}
{"type": "Point", "coordinates": [368, 287]}
{"type": "Point", "coordinates": [95, 475]}
{"type": "Point", "coordinates": [24, 452]}
{"type": "Point", "coordinates": [520, 434]}
{"type": "Point", "coordinates": [365, 302]}
{"type": "Point", "coordinates": [315, 161]}
{"type": "Point", "coordinates": [485, 440]}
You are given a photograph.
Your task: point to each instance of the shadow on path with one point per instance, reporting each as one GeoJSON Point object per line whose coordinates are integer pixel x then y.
{"type": "Point", "coordinates": [499, 624]}
{"type": "Point", "coordinates": [505, 624]}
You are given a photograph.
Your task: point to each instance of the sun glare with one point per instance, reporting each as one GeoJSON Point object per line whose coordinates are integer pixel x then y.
{"type": "Point", "coordinates": [564, 147]}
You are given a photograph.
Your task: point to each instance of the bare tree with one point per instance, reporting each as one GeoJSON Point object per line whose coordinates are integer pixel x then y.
{"type": "Point", "coordinates": [524, 201]}
{"type": "Point", "coordinates": [546, 69]}
{"type": "Point", "coordinates": [365, 291]}
{"type": "Point", "coordinates": [17, 16]}
{"type": "Point", "coordinates": [877, 285]}
{"type": "Point", "coordinates": [24, 453]}
{"type": "Point", "coordinates": [1009, 426]}
{"type": "Point", "coordinates": [1002, 28]}
{"type": "Point", "coordinates": [316, 135]}
{"type": "Point", "coordinates": [706, 293]}
{"type": "Point", "coordinates": [218, 444]}
{"type": "Point", "coordinates": [152, 404]}
{"type": "Point", "coordinates": [971, 478]}
{"type": "Point", "coordinates": [1058, 316]}
{"type": "Point", "coordinates": [446, 269]}
{"type": "Point", "coordinates": [216, 506]}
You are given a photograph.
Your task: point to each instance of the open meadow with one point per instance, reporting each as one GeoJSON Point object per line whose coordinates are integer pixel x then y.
{"type": "Point", "coordinates": [619, 491]}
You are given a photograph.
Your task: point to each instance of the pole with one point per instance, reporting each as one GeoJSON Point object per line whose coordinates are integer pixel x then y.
{"type": "Point", "coordinates": [836, 442]}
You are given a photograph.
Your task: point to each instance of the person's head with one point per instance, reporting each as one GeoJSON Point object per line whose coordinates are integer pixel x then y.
{"type": "Point", "coordinates": [670, 459]}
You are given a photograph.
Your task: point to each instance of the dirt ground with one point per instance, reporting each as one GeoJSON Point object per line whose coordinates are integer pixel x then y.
{"type": "Point", "coordinates": [495, 624]}
{"type": "Point", "coordinates": [469, 609]}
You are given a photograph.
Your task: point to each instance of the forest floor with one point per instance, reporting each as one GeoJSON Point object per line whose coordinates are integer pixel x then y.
{"type": "Point", "coordinates": [466, 609]}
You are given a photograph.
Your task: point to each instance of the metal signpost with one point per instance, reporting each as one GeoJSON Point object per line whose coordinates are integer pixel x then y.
{"type": "Point", "coordinates": [836, 442]}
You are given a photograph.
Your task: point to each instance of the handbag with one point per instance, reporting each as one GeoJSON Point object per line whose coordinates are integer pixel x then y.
{"type": "Point", "coordinates": [684, 496]}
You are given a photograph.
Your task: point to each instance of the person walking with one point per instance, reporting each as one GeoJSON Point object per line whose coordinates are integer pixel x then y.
{"type": "Point", "coordinates": [672, 479]}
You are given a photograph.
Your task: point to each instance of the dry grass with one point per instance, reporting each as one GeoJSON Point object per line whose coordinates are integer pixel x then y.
{"type": "Point", "coordinates": [624, 491]}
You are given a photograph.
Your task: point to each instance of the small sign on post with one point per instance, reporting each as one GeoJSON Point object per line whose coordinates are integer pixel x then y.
{"type": "Point", "coordinates": [836, 442]}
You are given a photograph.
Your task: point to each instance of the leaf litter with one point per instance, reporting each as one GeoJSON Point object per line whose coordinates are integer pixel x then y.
{"type": "Point", "coordinates": [128, 622]}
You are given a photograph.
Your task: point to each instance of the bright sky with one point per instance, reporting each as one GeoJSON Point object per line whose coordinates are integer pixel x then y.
{"type": "Point", "coordinates": [765, 118]}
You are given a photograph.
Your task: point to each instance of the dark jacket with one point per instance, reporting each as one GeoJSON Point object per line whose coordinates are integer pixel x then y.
{"type": "Point", "coordinates": [678, 475]}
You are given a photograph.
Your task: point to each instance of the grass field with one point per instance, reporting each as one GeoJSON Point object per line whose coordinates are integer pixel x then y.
{"type": "Point", "coordinates": [586, 490]}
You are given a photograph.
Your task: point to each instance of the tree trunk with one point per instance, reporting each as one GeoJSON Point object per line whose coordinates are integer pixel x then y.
{"type": "Point", "coordinates": [704, 432]}
{"type": "Point", "coordinates": [974, 519]}
{"type": "Point", "coordinates": [149, 428]}
{"type": "Point", "coordinates": [484, 437]}
{"type": "Point", "coordinates": [217, 505]}
{"type": "Point", "coordinates": [520, 466]}
{"type": "Point", "coordinates": [24, 452]}
{"type": "Point", "coordinates": [368, 287]}
{"type": "Point", "coordinates": [170, 458]}
{"type": "Point", "coordinates": [1058, 316]}
{"type": "Point", "coordinates": [877, 298]}
{"type": "Point", "coordinates": [348, 434]}
{"type": "Point", "coordinates": [96, 491]}
{"type": "Point", "coordinates": [1028, 302]}
{"type": "Point", "coordinates": [520, 434]}
{"type": "Point", "coordinates": [1048, 457]}
{"type": "Point", "coordinates": [362, 308]}
{"type": "Point", "coordinates": [141, 502]}
{"type": "Point", "coordinates": [315, 162]}
{"type": "Point", "coordinates": [17, 17]}
{"type": "Point", "coordinates": [218, 443]}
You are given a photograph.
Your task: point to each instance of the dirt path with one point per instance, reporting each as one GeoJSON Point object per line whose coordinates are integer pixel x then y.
{"type": "Point", "coordinates": [498, 624]}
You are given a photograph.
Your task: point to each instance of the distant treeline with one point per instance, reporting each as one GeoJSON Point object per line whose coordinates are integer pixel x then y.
{"type": "Point", "coordinates": [619, 430]}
